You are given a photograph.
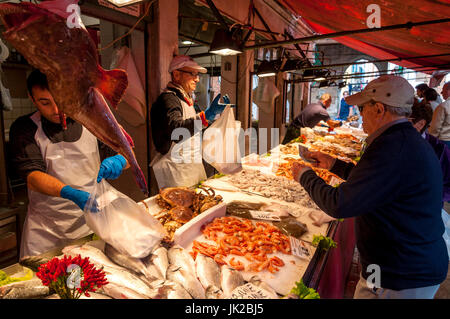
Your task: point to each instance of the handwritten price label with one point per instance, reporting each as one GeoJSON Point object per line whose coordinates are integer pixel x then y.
{"type": "Point", "coordinates": [257, 214]}
{"type": "Point", "coordinates": [250, 291]}
{"type": "Point", "coordinates": [299, 248]}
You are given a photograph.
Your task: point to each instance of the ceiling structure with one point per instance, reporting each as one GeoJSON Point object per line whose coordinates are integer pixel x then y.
{"type": "Point", "coordinates": [330, 16]}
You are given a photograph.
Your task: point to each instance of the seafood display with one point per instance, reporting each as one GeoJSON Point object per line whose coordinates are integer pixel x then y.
{"type": "Point", "coordinates": [181, 204]}
{"type": "Point", "coordinates": [41, 34]}
{"type": "Point", "coordinates": [241, 239]}
{"type": "Point", "coordinates": [274, 187]}
{"type": "Point", "coordinates": [28, 289]}
{"type": "Point", "coordinates": [285, 170]}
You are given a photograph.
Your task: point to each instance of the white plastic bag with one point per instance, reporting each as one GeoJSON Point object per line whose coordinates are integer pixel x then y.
{"type": "Point", "coordinates": [220, 144]}
{"type": "Point", "coordinates": [121, 222]}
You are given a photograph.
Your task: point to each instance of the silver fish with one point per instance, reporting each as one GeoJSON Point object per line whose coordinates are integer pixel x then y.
{"type": "Point", "coordinates": [172, 290]}
{"type": "Point", "coordinates": [160, 259]}
{"type": "Point", "coordinates": [180, 257]}
{"type": "Point", "coordinates": [134, 264]}
{"type": "Point", "coordinates": [230, 280]}
{"type": "Point", "coordinates": [185, 278]}
{"type": "Point", "coordinates": [121, 292]}
{"type": "Point", "coordinates": [28, 289]}
{"type": "Point", "coordinates": [124, 278]}
{"type": "Point", "coordinates": [255, 280]}
{"type": "Point", "coordinates": [96, 256]}
{"type": "Point", "coordinates": [208, 272]}
{"type": "Point", "coordinates": [212, 292]}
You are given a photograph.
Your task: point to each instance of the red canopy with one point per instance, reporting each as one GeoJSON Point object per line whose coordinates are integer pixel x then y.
{"type": "Point", "coordinates": [329, 16]}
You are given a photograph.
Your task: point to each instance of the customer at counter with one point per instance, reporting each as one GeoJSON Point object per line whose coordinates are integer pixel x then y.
{"type": "Point", "coordinates": [59, 166]}
{"type": "Point", "coordinates": [393, 194]}
{"type": "Point", "coordinates": [421, 118]}
{"type": "Point", "coordinates": [440, 124]}
{"type": "Point", "coordinates": [174, 109]}
{"type": "Point", "coordinates": [311, 115]}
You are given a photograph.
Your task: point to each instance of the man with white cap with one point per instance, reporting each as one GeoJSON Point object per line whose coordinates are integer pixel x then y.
{"type": "Point", "coordinates": [394, 193]}
{"type": "Point", "coordinates": [173, 113]}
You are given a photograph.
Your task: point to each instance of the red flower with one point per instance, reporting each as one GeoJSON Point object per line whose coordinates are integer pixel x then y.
{"type": "Point", "coordinates": [56, 273]}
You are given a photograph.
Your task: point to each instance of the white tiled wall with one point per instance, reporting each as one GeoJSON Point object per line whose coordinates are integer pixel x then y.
{"type": "Point", "coordinates": [20, 107]}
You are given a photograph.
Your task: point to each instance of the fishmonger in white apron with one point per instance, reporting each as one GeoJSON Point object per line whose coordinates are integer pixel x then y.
{"type": "Point", "coordinates": [54, 221]}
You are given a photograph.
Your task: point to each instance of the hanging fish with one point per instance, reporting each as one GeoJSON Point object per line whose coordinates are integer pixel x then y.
{"type": "Point", "coordinates": [69, 59]}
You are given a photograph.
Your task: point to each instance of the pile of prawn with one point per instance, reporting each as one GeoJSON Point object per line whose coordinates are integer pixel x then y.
{"type": "Point", "coordinates": [241, 237]}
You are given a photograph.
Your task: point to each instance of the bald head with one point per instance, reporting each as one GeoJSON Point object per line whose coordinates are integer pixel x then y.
{"type": "Point", "coordinates": [325, 99]}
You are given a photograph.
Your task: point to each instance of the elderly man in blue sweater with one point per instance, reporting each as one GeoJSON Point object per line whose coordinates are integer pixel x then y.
{"type": "Point", "coordinates": [394, 193]}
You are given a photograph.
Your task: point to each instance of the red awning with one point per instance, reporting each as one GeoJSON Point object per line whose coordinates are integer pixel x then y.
{"type": "Point", "coordinates": [329, 16]}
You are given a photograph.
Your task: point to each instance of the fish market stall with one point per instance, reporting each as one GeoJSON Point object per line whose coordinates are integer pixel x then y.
{"type": "Point", "coordinates": [256, 229]}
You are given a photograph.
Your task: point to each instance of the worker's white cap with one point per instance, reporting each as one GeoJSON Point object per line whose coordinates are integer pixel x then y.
{"type": "Point", "coordinates": [181, 61]}
{"type": "Point", "coordinates": [391, 90]}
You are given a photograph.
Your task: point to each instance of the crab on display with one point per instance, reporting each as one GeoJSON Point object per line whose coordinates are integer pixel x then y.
{"type": "Point", "coordinates": [181, 204]}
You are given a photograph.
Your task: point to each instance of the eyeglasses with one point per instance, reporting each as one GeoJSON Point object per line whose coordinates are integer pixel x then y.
{"type": "Point", "coordinates": [193, 74]}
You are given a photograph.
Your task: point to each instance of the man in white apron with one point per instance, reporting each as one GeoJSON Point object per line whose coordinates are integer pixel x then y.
{"type": "Point", "coordinates": [60, 167]}
{"type": "Point", "coordinates": [180, 164]}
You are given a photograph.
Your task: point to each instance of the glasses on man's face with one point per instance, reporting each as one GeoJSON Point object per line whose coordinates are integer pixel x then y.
{"type": "Point", "coordinates": [193, 74]}
{"type": "Point", "coordinates": [360, 108]}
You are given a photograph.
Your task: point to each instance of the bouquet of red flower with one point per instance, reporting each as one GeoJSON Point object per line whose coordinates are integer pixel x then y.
{"type": "Point", "coordinates": [70, 277]}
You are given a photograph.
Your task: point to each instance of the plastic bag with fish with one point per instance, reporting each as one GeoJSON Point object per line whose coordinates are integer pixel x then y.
{"type": "Point", "coordinates": [121, 222]}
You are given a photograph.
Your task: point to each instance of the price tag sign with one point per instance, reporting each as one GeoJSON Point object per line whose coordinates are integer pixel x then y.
{"type": "Point", "coordinates": [299, 248]}
{"type": "Point", "coordinates": [250, 291]}
{"type": "Point", "coordinates": [257, 214]}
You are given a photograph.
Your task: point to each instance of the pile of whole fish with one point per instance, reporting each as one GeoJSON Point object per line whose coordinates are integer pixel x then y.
{"type": "Point", "coordinates": [164, 274]}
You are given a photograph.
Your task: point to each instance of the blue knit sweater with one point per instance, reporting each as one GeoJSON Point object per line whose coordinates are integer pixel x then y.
{"type": "Point", "coordinates": [395, 193]}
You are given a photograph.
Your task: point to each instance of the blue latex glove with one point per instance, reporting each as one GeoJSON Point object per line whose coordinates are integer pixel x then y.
{"type": "Point", "coordinates": [216, 108]}
{"type": "Point", "coordinates": [79, 197]}
{"type": "Point", "coordinates": [111, 167]}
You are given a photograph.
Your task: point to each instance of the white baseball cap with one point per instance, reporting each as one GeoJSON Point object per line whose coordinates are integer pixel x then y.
{"type": "Point", "coordinates": [391, 90]}
{"type": "Point", "coordinates": [181, 61]}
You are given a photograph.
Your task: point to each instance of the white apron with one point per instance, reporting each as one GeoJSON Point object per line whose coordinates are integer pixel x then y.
{"type": "Point", "coordinates": [168, 173]}
{"type": "Point", "coordinates": [54, 221]}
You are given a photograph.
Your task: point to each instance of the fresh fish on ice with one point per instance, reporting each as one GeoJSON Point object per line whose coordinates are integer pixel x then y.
{"type": "Point", "coordinates": [208, 272]}
{"type": "Point", "coordinates": [230, 280]}
{"type": "Point", "coordinates": [187, 280]}
{"type": "Point", "coordinates": [212, 292]}
{"type": "Point", "coordinates": [173, 290]}
{"type": "Point", "coordinates": [28, 289]}
{"type": "Point", "coordinates": [255, 280]}
{"type": "Point", "coordinates": [160, 259]}
{"type": "Point", "coordinates": [125, 279]}
{"type": "Point", "coordinates": [96, 256]}
{"type": "Point", "coordinates": [134, 264]}
{"type": "Point", "coordinates": [120, 292]}
{"type": "Point", "coordinates": [180, 257]}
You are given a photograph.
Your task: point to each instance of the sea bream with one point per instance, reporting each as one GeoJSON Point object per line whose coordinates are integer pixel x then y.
{"type": "Point", "coordinates": [208, 271]}
{"type": "Point", "coordinates": [186, 279]}
{"type": "Point", "coordinates": [230, 279]}
{"type": "Point", "coordinates": [69, 59]}
{"type": "Point", "coordinates": [28, 289]}
{"type": "Point", "coordinates": [134, 264]}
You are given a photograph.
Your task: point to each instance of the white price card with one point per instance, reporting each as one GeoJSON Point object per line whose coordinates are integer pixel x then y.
{"type": "Point", "coordinates": [250, 291]}
{"type": "Point", "coordinates": [299, 248]}
{"type": "Point", "coordinates": [258, 214]}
